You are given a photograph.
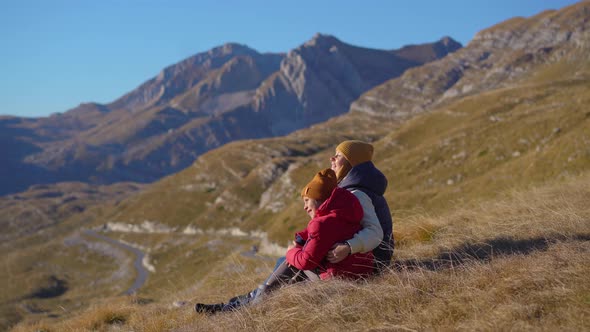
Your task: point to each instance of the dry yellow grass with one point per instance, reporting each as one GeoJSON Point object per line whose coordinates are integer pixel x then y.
{"type": "Point", "coordinates": [521, 262]}
{"type": "Point", "coordinates": [544, 290]}
{"type": "Point", "coordinates": [548, 213]}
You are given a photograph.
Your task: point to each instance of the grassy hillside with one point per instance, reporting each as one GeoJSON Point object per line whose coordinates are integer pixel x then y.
{"type": "Point", "coordinates": [45, 259]}
{"type": "Point", "coordinates": [481, 145]}
{"type": "Point", "coordinates": [517, 261]}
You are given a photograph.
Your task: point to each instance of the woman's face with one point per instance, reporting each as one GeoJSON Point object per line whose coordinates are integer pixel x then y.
{"type": "Point", "coordinates": [337, 162]}
{"type": "Point", "coordinates": [310, 206]}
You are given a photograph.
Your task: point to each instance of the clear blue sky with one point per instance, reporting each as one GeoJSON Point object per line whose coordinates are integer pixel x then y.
{"type": "Point", "coordinates": [56, 54]}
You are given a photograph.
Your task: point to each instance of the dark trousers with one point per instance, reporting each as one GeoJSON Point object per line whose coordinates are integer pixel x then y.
{"type": "Point", "coordinates": [284, 274]}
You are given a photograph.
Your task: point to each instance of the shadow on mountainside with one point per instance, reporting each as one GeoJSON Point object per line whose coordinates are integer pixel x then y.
{"type": "Point", "coordinates": [52, 287]}
{"type": "Point", "coordinates": [485, 251]}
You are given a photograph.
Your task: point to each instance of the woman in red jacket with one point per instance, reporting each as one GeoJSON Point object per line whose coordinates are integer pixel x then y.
{"type": "Point", "coordinates": [335, 217]}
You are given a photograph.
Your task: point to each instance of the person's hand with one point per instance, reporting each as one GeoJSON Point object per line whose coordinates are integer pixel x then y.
{"type": "Point", "coordinates": [291, 246]}
{"type": "Point", "coordinates": [338, 253]}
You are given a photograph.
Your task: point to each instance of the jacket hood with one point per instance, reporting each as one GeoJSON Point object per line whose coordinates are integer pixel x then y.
{"type": "Point", "coordinates": [366, 176]}
{"type": "Point", "coordinates": [343, 205]}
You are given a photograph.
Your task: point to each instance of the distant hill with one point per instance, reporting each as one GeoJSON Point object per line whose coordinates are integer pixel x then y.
{"type": "Point", "coordinates": [229, 93]}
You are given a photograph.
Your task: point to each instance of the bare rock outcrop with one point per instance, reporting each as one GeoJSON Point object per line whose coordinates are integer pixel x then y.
{"type": "Point", "coordinates": [496, 57]}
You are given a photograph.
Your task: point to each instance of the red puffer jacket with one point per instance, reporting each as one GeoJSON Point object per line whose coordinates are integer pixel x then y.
{"type": "Point", "coordinates": [336, 220]}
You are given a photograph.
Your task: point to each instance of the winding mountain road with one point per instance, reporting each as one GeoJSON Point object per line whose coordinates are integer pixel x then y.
{"type": "Point", "coordinates": [141, 272]}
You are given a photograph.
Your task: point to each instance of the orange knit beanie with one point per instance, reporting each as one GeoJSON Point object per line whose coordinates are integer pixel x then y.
{"type": "Point", "coordinates": [356, 152]}
{"type": "Point", "coordinates": [321, 186]}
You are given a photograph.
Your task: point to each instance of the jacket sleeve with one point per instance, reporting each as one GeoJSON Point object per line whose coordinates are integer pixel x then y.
{"type": "Point", "coordinates": [301, 237]}
{"type": "Point", "coordinates": [311, 255]}
{"type": "Point", "coordinates": [371, 235]}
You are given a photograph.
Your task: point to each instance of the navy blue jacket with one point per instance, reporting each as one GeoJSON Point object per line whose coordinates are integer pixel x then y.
{"type": "Point", "coordinates": [367, 178]}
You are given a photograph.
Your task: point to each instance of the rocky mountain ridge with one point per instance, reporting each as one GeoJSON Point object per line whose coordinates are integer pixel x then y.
{"type": "Point", "coordinates": [228, 93]}
{"type": "Point", "coordinates": [496, 57]}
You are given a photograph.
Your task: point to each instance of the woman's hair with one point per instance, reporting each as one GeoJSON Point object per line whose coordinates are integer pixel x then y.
{"type": "Point", "coordinates": [343, 171]}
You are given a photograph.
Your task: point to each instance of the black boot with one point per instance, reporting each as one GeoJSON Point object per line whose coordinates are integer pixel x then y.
{"type": "Point", "coordinates": [233, 304]}
{"type": "Point", "coordinates": [209, 308]}
{"type": "Point", "coordinates": [238, 301]}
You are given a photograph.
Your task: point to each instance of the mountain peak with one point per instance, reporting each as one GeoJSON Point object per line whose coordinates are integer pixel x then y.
{"type": "Point", "coordinates": [450, 42]}
{"type": "Point", "coordinates": [230, 48]}
{"type": "Point", "coordinates": [320, 39]}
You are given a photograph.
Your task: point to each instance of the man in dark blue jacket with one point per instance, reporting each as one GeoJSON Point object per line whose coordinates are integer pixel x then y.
{"type": "Point", "coordinates": [357, 173]}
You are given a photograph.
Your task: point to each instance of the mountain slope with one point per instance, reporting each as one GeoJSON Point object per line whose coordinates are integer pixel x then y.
{"type": "Point", "coordinates": [496, 57]}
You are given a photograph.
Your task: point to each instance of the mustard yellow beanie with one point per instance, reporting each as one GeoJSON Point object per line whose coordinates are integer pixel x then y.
{"type": "Point", "coordinates": [356, 152]}
{"type": "Point", "coordinates": [321, 186]}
